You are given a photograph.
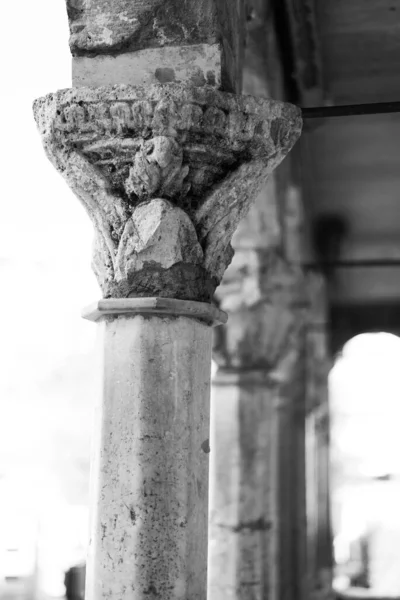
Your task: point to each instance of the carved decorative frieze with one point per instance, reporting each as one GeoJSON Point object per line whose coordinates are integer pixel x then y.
{"type": "Point", "coordinates": [164, 171]}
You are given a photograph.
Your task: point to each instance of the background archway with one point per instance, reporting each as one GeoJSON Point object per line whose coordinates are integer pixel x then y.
{"type": "Point", "coordinates": [365, 456]}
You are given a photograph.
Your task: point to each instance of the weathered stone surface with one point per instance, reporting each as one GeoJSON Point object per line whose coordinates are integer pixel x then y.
{"type": "Point", "coordinates": [158, 169]}
{"type": "Point", "coordinates": [158, 233]}
{"type": "Point", "coordinates": [318, 360]}
{"type": "Point", "coordinates": [319, 527]}
{"type": "Point", "coordinates": [150, 460]}
{"type": "Point", "coordinates": [271, 380]}
{"type": "Point", "coordinates": [307, 51]}
{"type": "Point", "coordinates": [97, 28]}
{"type": "Point", "coordinates": [208, 153]}
{"type": "Point", "coordinates": [232, 18]}
{"type": "Point", "coordinates": [257, 496]}
{"type": "Point", "coordinates": [266, 301]}
{"type": "Point", "coordinates": [318, 364]}
{"type": "Point", "coordinates": [257, 508]}
{"type": "Point", "coordinates": [198, 65]}
{"type": "Point", "coordinates": [242, 518]}
{"type": "Point", "coordinates": [260, 228]}
{"type": "Point", "coordinates": [293, 229]}
{"type": "Point", "coordinates": [201, 311]}
{"type": "Point", "coordinates": [159, 242]}
{"type": "Point", "coordinates": [257, 545]}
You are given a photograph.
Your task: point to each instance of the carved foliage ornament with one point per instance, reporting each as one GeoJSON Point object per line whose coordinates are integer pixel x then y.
{"type": "Point", "coordinates": [165, 173]}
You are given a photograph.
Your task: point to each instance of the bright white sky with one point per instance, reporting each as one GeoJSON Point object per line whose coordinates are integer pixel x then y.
{"type": "Point", "coordinates": [46, 349]}
{"type": "Point", "coordinates": [47, 359]}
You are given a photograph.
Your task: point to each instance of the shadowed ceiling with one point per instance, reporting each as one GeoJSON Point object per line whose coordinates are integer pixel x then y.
{"type": "Point", "coordinates": [351, 165]}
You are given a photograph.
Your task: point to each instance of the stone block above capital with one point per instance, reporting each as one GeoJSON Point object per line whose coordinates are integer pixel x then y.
{"type": "Point", "coordinates": [165, 172]}
{"type": "Point", "coordinates": [200, 41]}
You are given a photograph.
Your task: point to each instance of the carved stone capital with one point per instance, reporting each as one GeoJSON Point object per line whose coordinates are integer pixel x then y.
{"type": "Point", "coordinates": [166, 173]}
{"type": "Point", "coordinates": [266, 299]}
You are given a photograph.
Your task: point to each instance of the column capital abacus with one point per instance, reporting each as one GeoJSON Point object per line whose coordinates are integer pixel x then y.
{"type": "Point", "coordinates": [167, 307]}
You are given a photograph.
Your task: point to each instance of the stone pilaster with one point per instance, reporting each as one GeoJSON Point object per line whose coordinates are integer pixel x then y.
{"type": "Point", "coordinates": [165, 172]}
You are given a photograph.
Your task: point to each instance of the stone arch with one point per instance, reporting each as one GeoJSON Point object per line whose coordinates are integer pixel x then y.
{"type": "Point", "coordinates": [349, 320]}
{"type": "Point", "coordinates": [365, 468]}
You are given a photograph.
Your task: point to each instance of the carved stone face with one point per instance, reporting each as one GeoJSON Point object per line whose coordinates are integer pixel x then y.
{"type": "Point", "coordinates": [158, 170]}
{"type": "Point", "coordinates": [204, 151]}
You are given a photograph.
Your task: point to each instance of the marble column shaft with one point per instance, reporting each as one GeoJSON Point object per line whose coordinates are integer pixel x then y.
{"type": "Point", "coordinates": [150, 454]}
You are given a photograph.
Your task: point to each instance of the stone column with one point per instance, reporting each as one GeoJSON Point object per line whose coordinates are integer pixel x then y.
{"type": "Point", "coordinates": [270, 534]}
{"type": "Point", "coordinates": [319, 532]}
{"type": "Point", "coordinates": [150, 452]}
{"type": "Point", "coordinates": [257, 543]}
{"type": "Point", "coordinates": [165, 171]}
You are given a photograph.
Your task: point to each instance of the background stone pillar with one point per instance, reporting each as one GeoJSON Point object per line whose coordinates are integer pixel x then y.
{"type": "Point", "coordinates": [319, 363]}
{"type": "Point", "coordinates": [257, 462]}
{"type": "Point", "coordinates": [165, 172]}
{"type": "Point", "coordinates": [257, 546]}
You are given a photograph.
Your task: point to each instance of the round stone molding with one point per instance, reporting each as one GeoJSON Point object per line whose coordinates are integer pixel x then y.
{"type": "Point", "coordinates": [199, 154]}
